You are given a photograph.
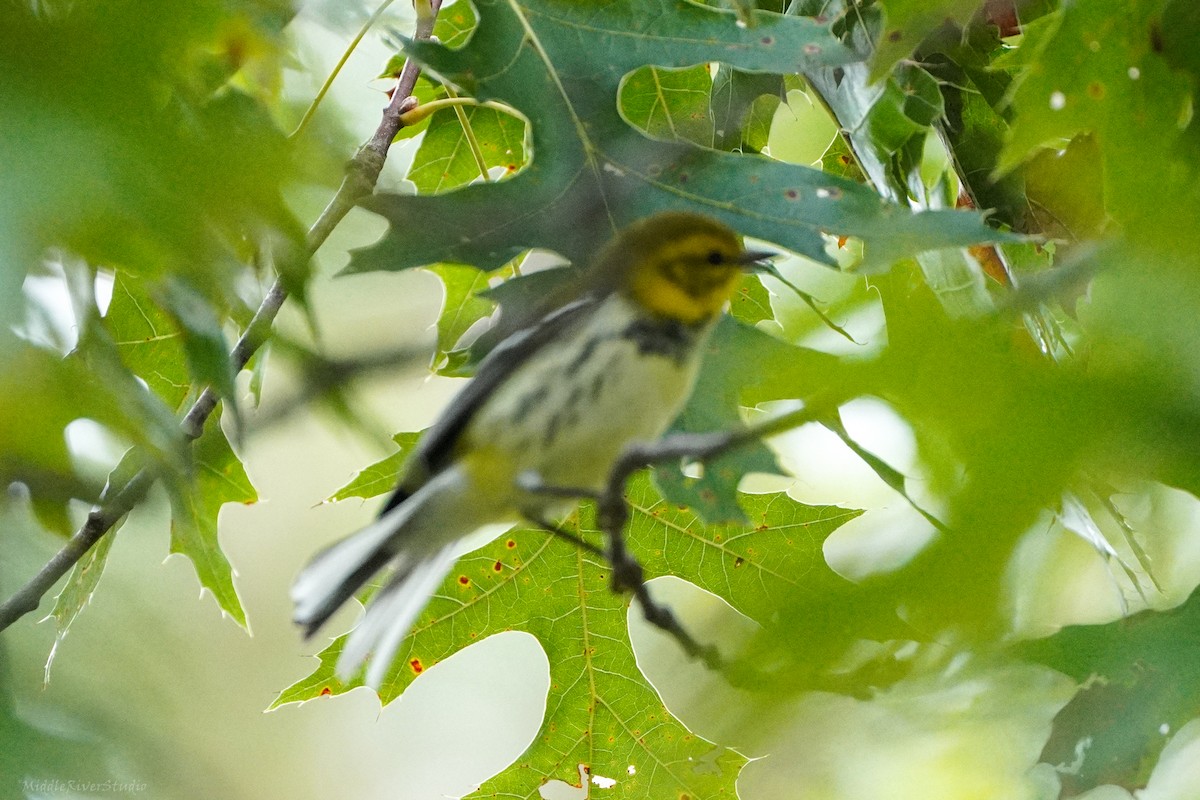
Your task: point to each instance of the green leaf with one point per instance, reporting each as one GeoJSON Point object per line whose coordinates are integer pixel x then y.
{"type": "Point", "coordinates": [670, 104]}
{"type": "Point", "coordinates": [203, 340]}
{"type": "Point", "coordinates": [219, 479]}
{"type": "Point", "coordinates": [77, 592]}
{"type": "Point", "coordinates": [740, 102]}
{"type": "Point", "coordinates": [43, 393]}
{"type": "Point", "coordinates": [742, 367]}
{"type": "Point", "coordinates": [464, 303]}
{"type": "Point", "coordinates": [561, 65]}
{"type": "Point", "coordinates": [454, 25]}
{"type": "Point", "coordinates": [601, 712]}
{"type": "Point", "coordinates": [81, 584]}
{"type": "Point", "coordinates": [908, 22]}
{"type": "Point", "coordinates": [445, 161]}
{"type": "Point", "coordinates": [1140, 680]}
{"type": "Point", "coordinates": [149, 343]}
{"type": "Point", "coordinates": [380, 477]}
{"type": "Point", "coordinates": [147, 168]}
{"type": "Point", "coordinates": [751, 303]}
{"type": "Point", "coordinates": [1092, 71]}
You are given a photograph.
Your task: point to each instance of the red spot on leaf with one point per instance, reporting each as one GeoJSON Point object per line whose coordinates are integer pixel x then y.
{"type": "Point", "coordinates": [895, 36]}
{"type": "Point", "coordinates": [510, 544]}
{"type": "Point", "coordinates": [791, 194]}
{"type": "Point", "coordinates": [464, 580]}
{"type": "Point", "coordinates": [326, 690]}
{"type": "Point", "coordinates": [416, 665]}
{"type": "Point", "coordinates": [767, 40]}
{"type": "Point", "coordinates": [497, 567]}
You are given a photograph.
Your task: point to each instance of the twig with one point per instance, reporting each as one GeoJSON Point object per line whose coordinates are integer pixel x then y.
{"type": "Point", "coordinates": [612, 512]}
{"type": "Point", "coordinates": [361, 175]}
{"type": "Point", "coordinates": [325, 376]}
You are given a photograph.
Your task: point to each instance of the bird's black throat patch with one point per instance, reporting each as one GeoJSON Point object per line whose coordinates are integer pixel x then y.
{"type": "Point", "coordinates": [669, 338]}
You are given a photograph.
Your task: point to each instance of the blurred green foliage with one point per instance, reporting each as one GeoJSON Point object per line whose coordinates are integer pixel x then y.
{"type": "Point", "coordinates": [1043, 353]}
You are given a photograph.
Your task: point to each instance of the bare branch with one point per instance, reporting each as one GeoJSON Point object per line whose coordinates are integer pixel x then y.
{"type": "Point", "coordinates": [361, 176]}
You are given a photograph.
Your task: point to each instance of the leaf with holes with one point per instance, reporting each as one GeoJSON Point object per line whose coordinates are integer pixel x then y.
{"type": "Point", "coordinates": [1140, 680]}
{"type": "Point", "coordinates": [601, 712]}
{"type": "Point", "coordinates": [561, 65]}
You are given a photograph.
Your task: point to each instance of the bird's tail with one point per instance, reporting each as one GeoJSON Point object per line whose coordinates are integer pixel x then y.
{"type": "Point", "coordinates": [391, 614]}
{"type": "Point", "coordinates": [340, 570]}
{"type": "Point", "coordinates": [417, 536]}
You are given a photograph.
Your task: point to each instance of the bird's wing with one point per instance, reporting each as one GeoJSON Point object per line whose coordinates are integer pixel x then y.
{"type": "Point", "coordinates": [433, 452]}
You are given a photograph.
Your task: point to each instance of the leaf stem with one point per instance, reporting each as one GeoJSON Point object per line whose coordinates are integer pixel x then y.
{"type": "Point", "coordinates": [361, 176]}
{"type": "Point", "coordinates": [469, 135]}
{"type": "Point", "coordinates": [337, 68]}
{"type": "Point", "coordinates": [419, 113]}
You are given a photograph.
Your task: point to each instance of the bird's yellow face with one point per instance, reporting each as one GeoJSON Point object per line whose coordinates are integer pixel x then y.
{"type": "Point", "coordinates": [679, 266]}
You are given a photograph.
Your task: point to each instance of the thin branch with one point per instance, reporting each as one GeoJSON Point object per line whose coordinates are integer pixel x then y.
{"type": "Point", "coordinates": [612, 511]}
{"type": "Point", "coordinates": [361, 177]}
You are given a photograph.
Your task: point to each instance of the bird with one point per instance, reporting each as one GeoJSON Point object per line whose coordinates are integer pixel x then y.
{"type": "Point", "coordinates": [554, 404]}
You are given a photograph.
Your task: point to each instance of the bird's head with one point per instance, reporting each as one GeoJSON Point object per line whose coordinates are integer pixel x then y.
{"type": "Point", "coordinates": [677, 265]}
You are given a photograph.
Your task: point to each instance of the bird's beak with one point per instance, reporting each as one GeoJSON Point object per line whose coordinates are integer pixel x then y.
{"type": "Point", "coordinates": [752, 259]}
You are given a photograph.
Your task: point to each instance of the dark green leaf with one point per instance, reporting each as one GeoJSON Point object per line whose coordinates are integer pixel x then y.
{"type": "Point", "coordinates": [908, 22]}
{"type": "Point", "coordinates": [1141, 679]}
{"type": "Point", "coordinates": [592, 173]}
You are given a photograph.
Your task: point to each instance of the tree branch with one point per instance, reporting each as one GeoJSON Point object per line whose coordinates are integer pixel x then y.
{"type": "Point", "coordinates": [361, 176]}
{"type": "Point", "coordinates": [612, 511]}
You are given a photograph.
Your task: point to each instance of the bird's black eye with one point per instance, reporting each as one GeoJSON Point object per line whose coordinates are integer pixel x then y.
{"type": "Point", "coordinates": [715, 257]}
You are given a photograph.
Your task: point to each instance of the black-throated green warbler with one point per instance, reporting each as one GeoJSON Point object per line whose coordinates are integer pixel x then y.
{"type": "Point", "coordinates": [553, 405]}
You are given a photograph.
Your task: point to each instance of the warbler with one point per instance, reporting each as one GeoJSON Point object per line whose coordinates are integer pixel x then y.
{"type": "Point", "coordinates": [553, 405]}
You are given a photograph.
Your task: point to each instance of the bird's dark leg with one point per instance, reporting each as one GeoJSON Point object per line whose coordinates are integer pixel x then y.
{"type": "Point", "coordinates": [628, 576]}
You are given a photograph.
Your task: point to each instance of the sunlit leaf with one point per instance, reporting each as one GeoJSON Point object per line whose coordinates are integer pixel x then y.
{"type": "Point", "coordinates": [219, 479]}
{"type": "Point", "coordinates": [445, 159]}
{"type": "Point", "coordinates": [380, 477]}
{"type": "Point", "coordinates": [670, 104]}
{"type": "Point", "coordinates": [582, 626]}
